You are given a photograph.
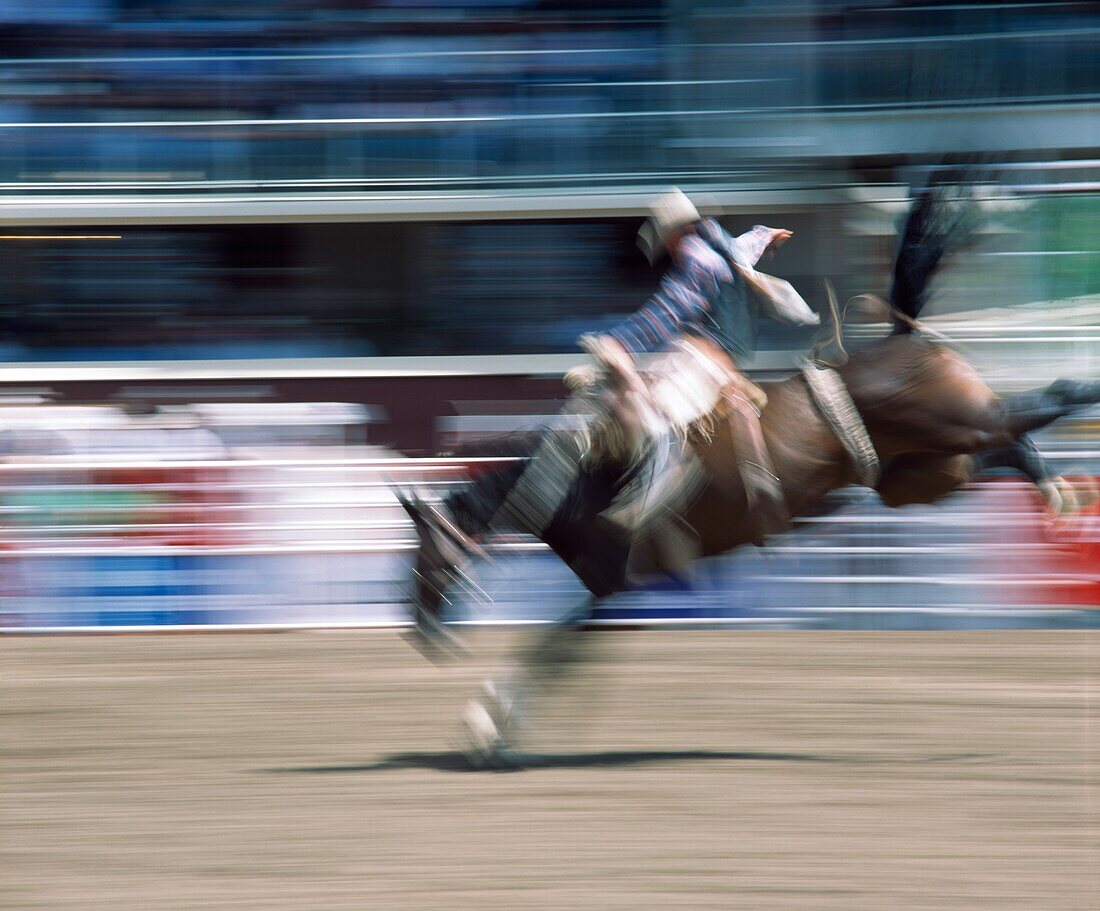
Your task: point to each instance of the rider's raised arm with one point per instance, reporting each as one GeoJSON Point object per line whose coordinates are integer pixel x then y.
{"type": "Point", "coordinates": [687, 292]}
{"type": "Point", "coordinates": [745, 249]}
{"type": "Point", "coordinates": [777, 298]}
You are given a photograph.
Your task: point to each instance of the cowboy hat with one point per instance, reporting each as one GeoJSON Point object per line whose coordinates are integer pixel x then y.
{"type": "Point", "coordinates": [668, 213]}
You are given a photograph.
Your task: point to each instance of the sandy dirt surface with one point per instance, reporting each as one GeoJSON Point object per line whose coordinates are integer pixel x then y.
{"type": "Point", "coordinates": [756, 770]}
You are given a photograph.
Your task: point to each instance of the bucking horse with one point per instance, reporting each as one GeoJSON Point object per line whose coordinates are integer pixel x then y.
{"type": "Point", "coordinates": [907, 416]}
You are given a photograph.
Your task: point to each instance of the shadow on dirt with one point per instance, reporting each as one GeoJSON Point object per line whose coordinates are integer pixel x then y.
{"type": "Point", "coordinates": [455, 761]}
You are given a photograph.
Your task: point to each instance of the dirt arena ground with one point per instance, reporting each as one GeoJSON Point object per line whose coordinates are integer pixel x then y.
{"type": "Point", "coordinates": [755, 770]}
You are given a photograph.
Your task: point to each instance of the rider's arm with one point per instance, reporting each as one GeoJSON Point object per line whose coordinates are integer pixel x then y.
{"type": "Point", "coordinates": [777, 298]}
{"type": "Point", "coordinates": [745, 249]}
{"type": "Point", "coordinates": [685, 294]}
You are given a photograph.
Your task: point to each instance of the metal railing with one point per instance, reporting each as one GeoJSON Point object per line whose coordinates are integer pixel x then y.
{"type": "Point", "coordinates": [586, 114]}
{"type": "Point", "coordinates": [306, 542]}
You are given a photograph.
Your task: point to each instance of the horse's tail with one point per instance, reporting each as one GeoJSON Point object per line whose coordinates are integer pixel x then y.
{"type": "Point", "coordinates": [941, 217]}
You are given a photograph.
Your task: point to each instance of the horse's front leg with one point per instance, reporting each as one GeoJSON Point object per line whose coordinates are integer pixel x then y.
{"type": "Point", "coordinates": [1023, 455]}
{"type": "Point", "coordinates": [496, 719]}
{"type": "Point", "coordinates": [442, 558]}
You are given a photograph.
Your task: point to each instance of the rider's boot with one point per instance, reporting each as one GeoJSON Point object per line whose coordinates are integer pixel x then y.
{"type": "Point", "coordinates": [767, 506]}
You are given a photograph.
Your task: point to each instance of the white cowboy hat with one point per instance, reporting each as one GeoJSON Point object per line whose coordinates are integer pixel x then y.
{"type": "Point", "coordinates": [667, 213]}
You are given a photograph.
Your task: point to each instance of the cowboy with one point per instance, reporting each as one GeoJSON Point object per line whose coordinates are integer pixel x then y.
{"type": "Point", "coordinates": [711, 289]}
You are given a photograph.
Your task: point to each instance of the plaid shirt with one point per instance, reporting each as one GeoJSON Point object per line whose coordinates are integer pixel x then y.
{"type": "Point", "coordinates": [691, 286]}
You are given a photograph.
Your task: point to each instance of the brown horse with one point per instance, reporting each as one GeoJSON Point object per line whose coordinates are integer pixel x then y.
{"type": "Point", "coordinates": [927, 413]}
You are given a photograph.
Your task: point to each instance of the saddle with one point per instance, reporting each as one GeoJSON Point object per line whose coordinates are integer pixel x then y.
{"type": "Point", "coordinates": [693, 391]}
{"type": "Point", "coordinates": [688, 389]}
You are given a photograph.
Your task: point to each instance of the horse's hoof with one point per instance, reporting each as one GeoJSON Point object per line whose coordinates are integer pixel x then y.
{"type": "Point", "coordinates": [1051, 492]}
{"type": "Point", "coordinates": [483, 742]}
{"type": "Point", "coordinates": [1087, 494]}
{"type": "Point", "coordinates": [1073, 500]}
{"type": "Point", "coordinates": [480, 735]}
{"type": "Point", "coordinates": [1065, 498]}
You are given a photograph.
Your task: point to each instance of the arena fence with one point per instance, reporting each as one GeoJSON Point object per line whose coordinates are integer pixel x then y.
{"type": "Point", "coordinates": [322, 542]}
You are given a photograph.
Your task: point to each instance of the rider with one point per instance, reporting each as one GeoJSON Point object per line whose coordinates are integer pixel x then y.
{"type": "Point", "coordinates": [711, 289]}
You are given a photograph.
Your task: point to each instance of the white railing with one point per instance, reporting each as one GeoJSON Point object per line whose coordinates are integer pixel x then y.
{"type": "Point", "coordinates": [322, 541]}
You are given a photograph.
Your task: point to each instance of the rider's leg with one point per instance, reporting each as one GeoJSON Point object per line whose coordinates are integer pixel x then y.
{"type": "Point", "coordinates": [767, 506]}
{"type": "Point", "coordinates": [663, 483]}
{"type": "Point", "coordinates": [667, 474]}
{"type": "Point", "coordinates": [1021, 455]}
{"type": "Point", "coordinates": [538, 494]}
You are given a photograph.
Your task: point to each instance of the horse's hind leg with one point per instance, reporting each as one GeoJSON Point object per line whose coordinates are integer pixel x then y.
{"type": "Point", "coordinates": [1075, 393]}
{"type": "Point", "coordinates": [1023, 456]}
{"type": "Point", "coordinates": [495, 720]}
{"type": "Point", "coordinates": [1030, 411]}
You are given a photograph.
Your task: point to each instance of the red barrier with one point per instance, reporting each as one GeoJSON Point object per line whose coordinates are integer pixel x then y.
{"type": "Point", "coordinates": [1057, 560]}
